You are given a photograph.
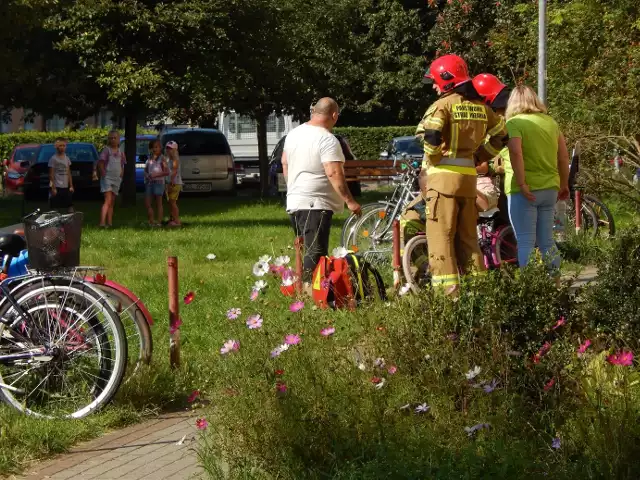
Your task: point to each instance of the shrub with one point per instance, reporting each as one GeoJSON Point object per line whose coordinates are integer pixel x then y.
{"type": "Point", "coordinates": [367, 143]}
{"type": "Point", "coordinates": [331, 407]}
{"type": "Point", "coordinates": [97, 136]}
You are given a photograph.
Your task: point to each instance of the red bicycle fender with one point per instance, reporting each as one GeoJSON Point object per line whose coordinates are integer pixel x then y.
{"type": "Point", "coordinates": [127, 293]}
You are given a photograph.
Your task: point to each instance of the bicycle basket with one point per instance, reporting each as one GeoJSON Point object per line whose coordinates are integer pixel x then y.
{"type": "Point", "coordinates": [53, 240]}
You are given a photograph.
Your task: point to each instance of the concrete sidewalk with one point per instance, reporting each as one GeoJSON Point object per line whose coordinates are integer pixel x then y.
{"type": "Point", "coordinates": [159, 449]}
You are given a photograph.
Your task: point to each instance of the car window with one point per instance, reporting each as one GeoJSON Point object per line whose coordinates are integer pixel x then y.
{"type": "Point", "coordinates": [75, 152]}
{"type": "Point", "coordinates": [276, 155]}
{"type": "Point", "coordinates": [411, 147]}
{"type": "Point", "coordinates": [142, 147]}
{"type": "Point", "coordinates": [196, 142]}
{"type": "Point", "coordinates": [25, 155]}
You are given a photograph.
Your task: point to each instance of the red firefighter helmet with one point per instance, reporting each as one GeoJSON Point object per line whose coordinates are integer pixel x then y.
{"type": "Point", "coordinates": [488, 86]}
{"type": "Point", "coordinates": [447, 72]}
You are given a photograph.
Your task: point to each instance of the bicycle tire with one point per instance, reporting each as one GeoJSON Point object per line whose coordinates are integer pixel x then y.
{"type": "Point", "coordinates": [503, 235]}
{"type": "Point", "coordinates": [104, 388]}
{"type": "Point", "coordinates": [135, 320]}
{"type": "Point", "coordinates": [589, 227]}
{"type": "Point", "coordinates": [411, 273]}
{"type": "Point", "coordinates": [352, 220]}
{"type": "Point", "coordinates": [606, 222]}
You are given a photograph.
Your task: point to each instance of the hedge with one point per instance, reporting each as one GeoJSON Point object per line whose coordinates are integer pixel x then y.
{"type": "Point", "coordinates": [368, 142]}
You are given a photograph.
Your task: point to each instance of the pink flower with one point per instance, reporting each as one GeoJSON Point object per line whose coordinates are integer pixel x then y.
{"type": "Point", "coordinates": [188, 298]}
{"type": "Point", "coordinates": [281, 387]}
{"type": "Point", "coordinates": [549, 385]}
{"type": "Point", "coordinates": [233, 313]}
{"type": "Point", "coordinates": [254, 295]}
{"type": "Point", "coordinates": [292, 339]}
{"type": "Point", "coordinates": [542, 352]}
{"type": "Point", "coordinates": [325, 332]}
{"type": "Point", "coordinates": [279, 372]}
{"type": "Point", "coordinates": [195, 394]}
{"type": "Point", "coordinates": [230, 346]}
{"type": "Point", "coordinates": [175, 326]}
{"type": "Point", "coordinates": [296, 306]}
{"type": "Point", "coordinates": [202, 424]}
{"type": "Point", "coordinates": [583, 348]}
{"type": "Point", "coordinates": [254, 322]}
{"type": "Point", "coordinates": [561, 321]}
{"type": "Point", "coordinates": [392, 369]}
{"type": "Point", "coordinates": [624, 358]}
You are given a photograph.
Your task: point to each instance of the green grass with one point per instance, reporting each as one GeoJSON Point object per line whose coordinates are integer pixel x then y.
{"type": "Point", "coordinates": [237, 230]}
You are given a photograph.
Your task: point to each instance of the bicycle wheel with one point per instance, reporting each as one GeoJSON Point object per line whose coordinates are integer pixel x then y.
{"type": "Point", "coordinates": [135, 322]}
{"type": "Point", "coordinates": [83, 349]}
{"type": "Point", "coordinates": [504, 247]}
{"type": "Point", "coordinates": [415, 263]}
{"type": "Point", "coordinates": [589, 226]}
{"type": "Point", "coordinates": [606, 223]}
{"type": "Point", "coordinates": [373, 236]}
{"type": "Point", "coordinates": [352, 220]}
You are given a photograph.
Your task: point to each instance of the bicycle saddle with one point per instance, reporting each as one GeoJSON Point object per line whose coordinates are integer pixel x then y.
{"type": "Point", "coordinates": [489, 213]}
{"type": "Point", "coordinates": [12, 245]}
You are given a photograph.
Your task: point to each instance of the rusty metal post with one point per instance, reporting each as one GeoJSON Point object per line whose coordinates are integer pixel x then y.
{"type": "Point", "coordinates": [578, 202]}
{"type": "Point", "coordinates": [174, 313]}
{"type": "Point", "coordinates": [298, 244]}
{"type": "Point", "coordinates": [396, 254]}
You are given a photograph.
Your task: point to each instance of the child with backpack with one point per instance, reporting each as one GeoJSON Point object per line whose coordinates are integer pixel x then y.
{"type": "Point", "coordinates": [155, 171]}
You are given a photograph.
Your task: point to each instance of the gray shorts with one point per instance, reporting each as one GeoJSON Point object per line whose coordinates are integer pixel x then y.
{"type": "Point", "coordinates": [110, 184]}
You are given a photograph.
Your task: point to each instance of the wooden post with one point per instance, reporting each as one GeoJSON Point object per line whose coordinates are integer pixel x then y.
{"type": "Point", "coordinates": [174, 313]}
{"type": "Point", "coordinates": [578, 202]}
{"type": "Point", "coordinates": [299, 243]}
{"type": "Point", "coordinates": [396, 254]}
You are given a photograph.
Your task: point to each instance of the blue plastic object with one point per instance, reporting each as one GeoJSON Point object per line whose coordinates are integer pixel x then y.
{"type": "Point", "coordinates": [18, 266]}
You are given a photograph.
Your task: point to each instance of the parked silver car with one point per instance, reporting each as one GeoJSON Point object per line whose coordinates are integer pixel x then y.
{"type": "Point", "coordinates": [205, 158]}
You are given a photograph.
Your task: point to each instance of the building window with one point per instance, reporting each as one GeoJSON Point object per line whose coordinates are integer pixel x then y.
{"type": "Point", "coordinates": [29, 118]}
{"type": "Point", "coordinates": [55, 124]}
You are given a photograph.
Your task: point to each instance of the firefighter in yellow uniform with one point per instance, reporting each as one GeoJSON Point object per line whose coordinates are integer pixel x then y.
{"type": "Point", "coordinates": [454, 128]}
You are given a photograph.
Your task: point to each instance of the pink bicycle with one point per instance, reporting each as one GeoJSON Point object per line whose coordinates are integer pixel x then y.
{"type": "Point", "coordinates": [497, 242]}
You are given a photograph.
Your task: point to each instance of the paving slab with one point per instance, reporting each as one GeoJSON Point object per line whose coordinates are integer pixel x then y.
{"type": "Point", "coordinates": [152, 449]}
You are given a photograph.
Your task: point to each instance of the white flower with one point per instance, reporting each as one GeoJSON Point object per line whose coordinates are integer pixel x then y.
{"type": "Point", "coordinates": [423, 408]}
{"type": "Point", "coordinates": [264, 259]}
{"type": "Point", "coordinates": [427, 357]}
{"type": "Point", "coordinates": [339, 252]}
{"type": "Point", "coordinates": [379, 362]}
{"type": "Point", "coordinates": [288, 281]}
{"type": "Point", "coordinates": [362, 366]}
{"type": "Point", "coordinates": [260, 269]}
{"type": "Point", "coordinates": [260, 285]}
{"type": "Point", "coordinates": [279, 349]}
{"type": "Point", "coordinates": [281, 261]}
{"type": "Point", "coordinates": [211, 256]}
{"type": "Point", "coordinates": [404, 289]}
{"type": "Point", "coordinates": [380, 384]}
{"type": "Point", "coordinates": [473, 373]}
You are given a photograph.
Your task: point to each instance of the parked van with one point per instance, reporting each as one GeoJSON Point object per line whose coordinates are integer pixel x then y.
{"type": "Point", "coordinates": [205, 158]}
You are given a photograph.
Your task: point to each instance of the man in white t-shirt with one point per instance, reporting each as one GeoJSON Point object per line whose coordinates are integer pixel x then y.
{"type": "Point", "coordinates": [312, 164]}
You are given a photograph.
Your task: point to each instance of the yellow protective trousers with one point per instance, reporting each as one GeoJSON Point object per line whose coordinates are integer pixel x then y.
{"type": "Point", "coordinates": [452, 238]}
{"type": "Point", "coordinates": [411, 223]}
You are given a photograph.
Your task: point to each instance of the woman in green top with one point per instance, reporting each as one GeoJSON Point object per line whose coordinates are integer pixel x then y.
{"type": "Point", "coordinates": [536, 175]}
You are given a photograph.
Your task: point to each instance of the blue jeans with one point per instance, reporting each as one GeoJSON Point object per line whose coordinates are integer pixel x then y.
{"type": "Point", "coordinates": [533, 225]}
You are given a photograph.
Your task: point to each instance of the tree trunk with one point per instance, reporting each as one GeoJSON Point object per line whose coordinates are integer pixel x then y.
{"type": "Point", "coordinates": [129, 179]}
{"type": "Point", "coordinates": [263, 154]}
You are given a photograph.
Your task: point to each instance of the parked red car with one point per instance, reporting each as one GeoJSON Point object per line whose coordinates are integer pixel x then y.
{"type": "Point", "coordinates": [17, 166]}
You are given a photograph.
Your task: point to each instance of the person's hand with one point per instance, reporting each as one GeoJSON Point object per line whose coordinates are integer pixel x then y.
{"type": "Point", "coordinates": [563, 194]}
{"type": "Point", "coordinates": [71, 189]}
{"type": "Point", "coordinates": [354, 207]}
{"type": "Point", "coordinates": [524, 189]}
{"type": "Point", "coordinates": [54, 191]}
